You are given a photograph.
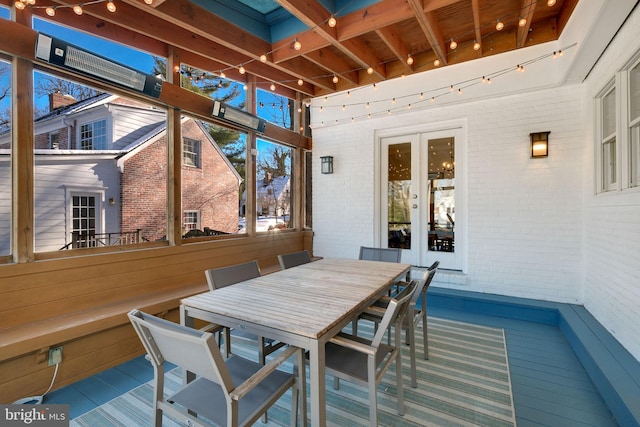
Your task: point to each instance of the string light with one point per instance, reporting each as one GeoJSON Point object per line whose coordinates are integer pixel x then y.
{"type": "Point", "coordinates": [50, 10]}
{"type": "Point", "coordinates": [111, 7]}
{"type": "Point", "coordinates": [77, 9]}
{"type": "Point", "coordinates": [263, 58]}
{"type": "Point", "coordinates": [476, 45]}
{"type": "Point", "coordinates": [436, 63]}
{"type": "Point", "coordinates": [332, 21]}
{"type": "Point", "coordinates": [453, 44]}
{"type": "Point", "coordinates": [241, 70]}
{"type": "Point", "coordinates": [297, 45]}
{"type": "Point", "coordinates": [148, 1]}
{"type": "Point", "coordinates": [499, 25]}
{"type": "Point", "coordinates": [335, 79]}
{"type": "Point", "coordinates": [370, 70]}
{"type": "Point", "coordinates": [273, 86]}
{"type": "Point", "coordinates": [410, 105]}
{"type": "Point", "coordinates": [551, 3]}
{"type": "Point", "coordinates": [410, 59]}
{"type": "Point", "coordinates": [300, 82]}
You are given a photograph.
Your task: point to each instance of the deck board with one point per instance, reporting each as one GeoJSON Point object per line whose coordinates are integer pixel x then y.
{"type": "Point", "coordinates": [550, 386]}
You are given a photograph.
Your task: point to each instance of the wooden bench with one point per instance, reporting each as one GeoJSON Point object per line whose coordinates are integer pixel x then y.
{"type": "Point", "coordinates": [40, 335]}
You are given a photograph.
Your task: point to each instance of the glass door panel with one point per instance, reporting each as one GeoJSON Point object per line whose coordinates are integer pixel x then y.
{"type": "Point", "coordinates": [441, 184]}
{"type": "Point", "coordinates": [399, 202]}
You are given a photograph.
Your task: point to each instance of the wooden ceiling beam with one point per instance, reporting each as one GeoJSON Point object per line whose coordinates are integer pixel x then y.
{"type": "Point", "coordinates": [429, 25]}
{"type": "Point", "coordinates": [333, 63]}
{"type": "Point", "coordinates": [475, 9]}
{"type": "Point", "coordinates": [315, 17]}
{"type": "Point", "coordinates": [527, 10]}
{"type": "Point", "coordinates": [392, 40]}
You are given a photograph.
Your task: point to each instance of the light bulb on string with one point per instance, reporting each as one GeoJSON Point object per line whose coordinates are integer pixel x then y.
{"type": "Point", "coordinates": [273, 86]}
{"type": "Point", "coordinates": [499, 25]}
{"type": "Point", "coordinates": [111, 6]}
{"type": "Point", "coordinates": [51, 10]}
{"type": "Point", "coordinates": [241, 70]}
{"type": "Point", "coordinates": [77, 9]}
{"type": "Point", "coordinates": [410, 59]}
{"type": "Point", "coordinates": [332, 21]}
{"type": "Point", "coordinates": [335, 79]}
{"type": "Point", "coordinates": [551, 3]}
{"type": "Point", "coordinates": [453, 44]}
{"type": "Point", "coordinates": [263, 58]}
{"type": "Point", "coordinates": [300, 82]}
{"type": "Point", "coordinates": [436, 63]}
{"type": "Point", "coordinates": [476, 45]}
{"type": "Point", "coordinates": [522, 22]}
{"type": "Point", "coordinates": [297, 45]}
{"type": "Point", "coordinates": [370, 70]}
{"type": "Point", "coordinates": [20, 5]}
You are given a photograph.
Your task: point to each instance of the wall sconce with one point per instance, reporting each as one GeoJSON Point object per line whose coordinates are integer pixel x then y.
{"type": "Point", "coordinates": [539, 144]}
{"type": "Point", "coordinates": [326, 164]}
{"type": "Point", "coordinates": [112, 201]}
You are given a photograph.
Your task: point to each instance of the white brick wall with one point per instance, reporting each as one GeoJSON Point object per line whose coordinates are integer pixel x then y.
{"type": "Point", "coordinates": [535, 228]}
{"type": "Point", "coordinates": [525, 216]}
{"type": "Point", "coordinates": [612, 221]}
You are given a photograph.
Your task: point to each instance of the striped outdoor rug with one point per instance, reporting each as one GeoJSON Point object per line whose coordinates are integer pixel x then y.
{"type": "Point", "coordinates": [465, 382]}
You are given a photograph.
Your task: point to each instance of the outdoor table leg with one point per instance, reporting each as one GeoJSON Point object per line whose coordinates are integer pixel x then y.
{"type": "Point", "coordinates": [317, 384]}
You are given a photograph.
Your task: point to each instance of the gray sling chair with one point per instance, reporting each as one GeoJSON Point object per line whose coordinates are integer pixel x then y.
{"type": "Point", "coordinates": [415, 314]}
{"type": "Point", "coordinates": [294, 259]}
{"type": "Point", "coordinates": [231, 392]}
{"type": "Point", "coordinates": [225, 276]}
{"type": "Point", "coordinates": [362, 361]}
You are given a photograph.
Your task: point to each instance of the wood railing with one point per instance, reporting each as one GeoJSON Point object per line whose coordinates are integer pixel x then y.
{"type": "Point", "coordinates": [94, 240]}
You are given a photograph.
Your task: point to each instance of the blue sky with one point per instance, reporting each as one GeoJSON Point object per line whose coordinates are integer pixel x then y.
{"type": "Point", "coordinates": [139, 60]}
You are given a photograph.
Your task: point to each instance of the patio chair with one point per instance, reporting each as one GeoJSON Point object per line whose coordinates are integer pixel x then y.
{"type": "Point", "coordinates": [365, 362]}
{"type": "Point", "coordinates": [225, 276]}
{"type": "Point", "coordinates": [232, 392]}
{"type": "Point", "coordinates": [415, 314]}
{"type": "Point", "coordinates": [294, 259]}
{"type": "Point", "coordinates": [380, 254]}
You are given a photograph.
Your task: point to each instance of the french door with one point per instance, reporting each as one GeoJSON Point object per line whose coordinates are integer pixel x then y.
{"type": "Point", "coordinates": [419, 198]}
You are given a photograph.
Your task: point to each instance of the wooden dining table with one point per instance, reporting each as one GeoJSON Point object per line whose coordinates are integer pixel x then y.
{"type": "Point", "coordinates": [304, 306]}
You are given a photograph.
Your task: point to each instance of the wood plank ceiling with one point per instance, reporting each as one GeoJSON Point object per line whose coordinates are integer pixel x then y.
{"type": "Point", "coordinates": [371, 41]}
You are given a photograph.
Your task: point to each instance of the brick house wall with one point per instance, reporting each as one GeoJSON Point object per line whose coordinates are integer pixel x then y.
{"type": "Point", "coordinates": [211, 189]}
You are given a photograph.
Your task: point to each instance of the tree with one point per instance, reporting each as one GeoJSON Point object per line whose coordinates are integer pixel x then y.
{"type": "Point", "coordinates": [277, 162]}
{"type": "Point", "coordinates": [47, 84]}
{"type": "Point", "coordinates": [221, 90]}
{"type": "Point", "coordinates": [5, 93]}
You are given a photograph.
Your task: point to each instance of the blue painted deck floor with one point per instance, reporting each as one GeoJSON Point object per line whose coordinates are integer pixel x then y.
{"type": "Point", "coordinates": [550, 386]}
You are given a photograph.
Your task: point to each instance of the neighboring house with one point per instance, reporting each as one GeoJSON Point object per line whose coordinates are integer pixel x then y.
{"type": "Point", "coordinates": [101, 176]}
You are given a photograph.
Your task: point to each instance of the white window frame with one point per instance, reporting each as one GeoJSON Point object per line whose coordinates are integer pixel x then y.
{"type": "Point", "coordinates": [196, 223]}
{"type": "Point", "coordinates": [627, 175]}
{"type": "Point", "coordinates": [194, 154]}
{"type": "Point", "coordinates": [93, 137]}
{"type": "Point", "coordinates": [54, 145]}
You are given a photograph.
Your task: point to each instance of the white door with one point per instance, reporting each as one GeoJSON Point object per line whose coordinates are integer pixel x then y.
{"type": "Point", "coordinates": [419, 198]}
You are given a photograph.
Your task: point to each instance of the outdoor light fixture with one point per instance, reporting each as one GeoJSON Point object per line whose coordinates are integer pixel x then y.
{"type": "Point", "coordinates": [539, 144]}
{"type": "Point", "coordinates": [326, 164]}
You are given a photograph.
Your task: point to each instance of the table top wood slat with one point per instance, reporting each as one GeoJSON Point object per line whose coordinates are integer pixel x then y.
{"type": "Point", "coordinates": [306, 300]}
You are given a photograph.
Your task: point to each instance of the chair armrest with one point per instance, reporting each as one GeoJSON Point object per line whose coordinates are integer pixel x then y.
{"type": "Point", "coordinates": [255, 379]}
{"type": "Point", "coordinates": [343, 341]}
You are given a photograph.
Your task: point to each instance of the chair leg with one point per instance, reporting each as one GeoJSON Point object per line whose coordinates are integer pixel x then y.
{"type": "Point", "coordinates": [301, 378]}
{"type": "Point", "coordinates": [227, 342]}
{"type": "Point", "coordinates": [410, 333]}
{"type": "Point", "coordinates": [425, 334]}
{"type": "Point", "coordinates": [398, 356]}
{"type": "Point", "coordinates": [373, 397]}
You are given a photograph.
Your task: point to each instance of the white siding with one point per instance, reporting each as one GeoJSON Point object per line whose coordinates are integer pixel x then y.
{"type": "Point", "coordinates": [56, 174]}
{"type": "Point", "coordinates": [130, 124]}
